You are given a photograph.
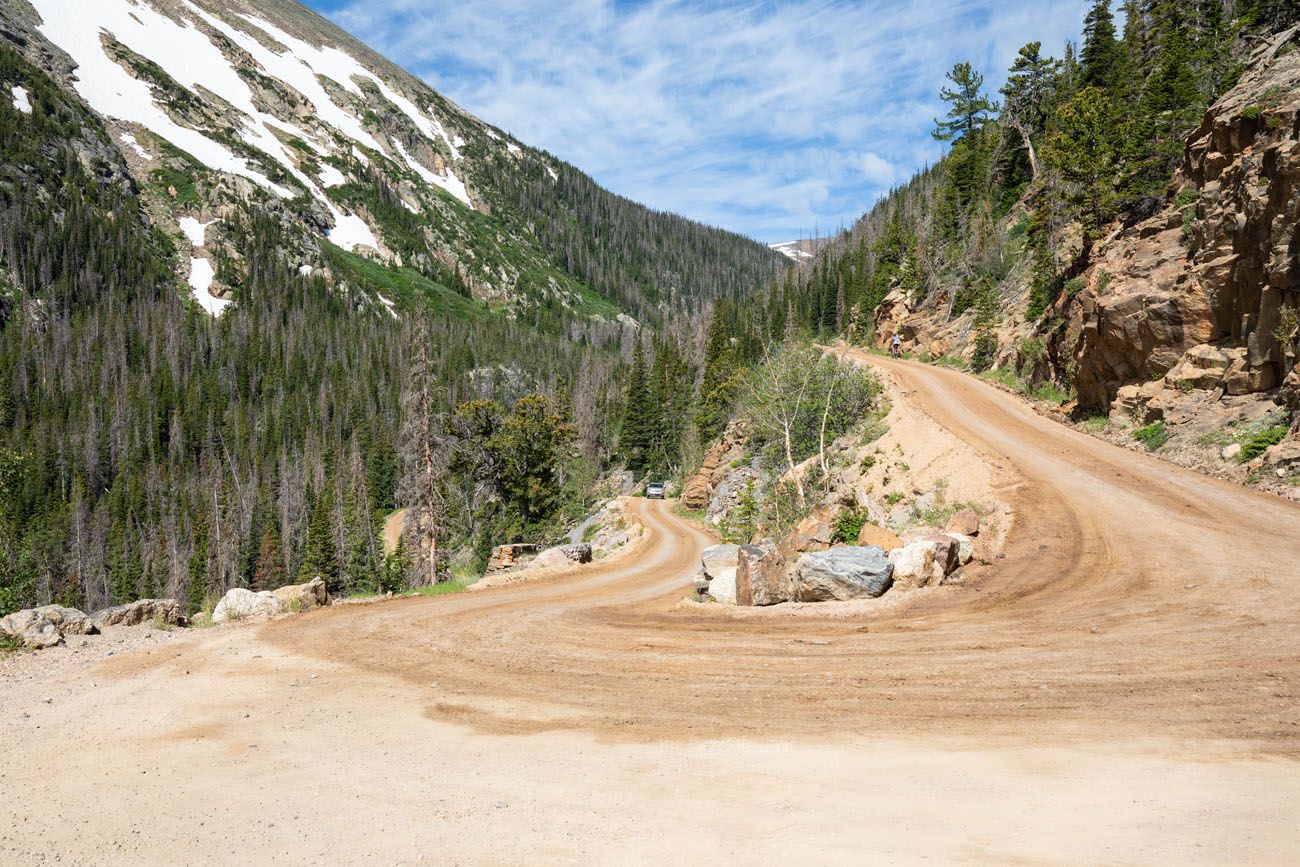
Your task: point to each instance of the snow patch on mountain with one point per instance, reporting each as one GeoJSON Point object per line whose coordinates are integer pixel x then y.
{"type": "Point", "coordinates": [130, 141]}
{"type": "Point", "coordinates": [22, 101]}
{"type": "Point", "coordinates": [330, 176]}
{"type": "Point", "coordinates": [793, 250]}
{"type": "Point", "coordinates": [194, 230]}
{"type": "Point", "coordinates": [201, 275]}
{"type": "Point", "coordinates": [350, 232]}
{"type": "Point", "coordinates": [450, 183]}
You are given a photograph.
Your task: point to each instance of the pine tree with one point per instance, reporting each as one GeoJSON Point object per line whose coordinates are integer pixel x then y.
{"type": "Point", "coordinates": [969, 109]}
{"type": "Point", "coordinates": [270, 572]}
{"type": "Point", "coordinates": [320, 554]}
{"type": "Point", "coordinates": [717, 388]}
{"type": "Point", "coordinates": [635, 438]}
{"type": "Point", "coordinates": [1085, 151]}
{"type": "Point", "coordinates": [1028, 92]}
{"type": "Point", "coordinates": [1102, 56]}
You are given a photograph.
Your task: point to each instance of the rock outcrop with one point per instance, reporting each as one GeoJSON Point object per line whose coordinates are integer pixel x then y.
{"type": "Point", "coordinates": [843, 573]}
{"type": "Point", "coordinates": [165, 611]}
{"type": "Point", "coordinates": [699, 490]}
{"type": "Point", "coordinates": [1196, 292]}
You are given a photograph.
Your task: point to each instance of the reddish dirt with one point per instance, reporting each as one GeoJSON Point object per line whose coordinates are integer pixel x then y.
{"type": "Point", "coordinates": [1122, 685]}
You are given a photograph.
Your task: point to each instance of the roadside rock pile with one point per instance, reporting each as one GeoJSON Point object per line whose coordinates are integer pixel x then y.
{"type": "Point", "coordinates": [511, 556]}
{"type": "Point", "coordinates": [240, 602]}
{"type": "Point", "coordinates": [562, 555]}
{"type": "Point", "coordinates": [46, 626]}
{"type": "Point", "coordinates": [165, 611]}
{"type": "Point", "coordinates": [807, 566]}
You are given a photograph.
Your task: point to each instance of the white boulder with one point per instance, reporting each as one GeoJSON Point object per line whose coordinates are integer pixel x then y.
{"type": "Point", "coordinates": [240, 602]}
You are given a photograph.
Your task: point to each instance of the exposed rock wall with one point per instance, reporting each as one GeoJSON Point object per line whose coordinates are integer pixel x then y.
{"type": "Point", "coordinates": [1219, 263]}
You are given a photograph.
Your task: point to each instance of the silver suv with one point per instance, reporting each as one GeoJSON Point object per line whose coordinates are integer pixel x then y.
{"type": "Point", "coordinates": [654, 491]}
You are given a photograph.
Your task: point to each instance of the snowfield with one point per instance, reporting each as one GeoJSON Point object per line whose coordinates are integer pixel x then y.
{"type": "Point", "coordinates": [194, 60]}
{"type": "Point", "coordinates": [22, 101]}
{"type": "Point", "coordinates": [201, 275]}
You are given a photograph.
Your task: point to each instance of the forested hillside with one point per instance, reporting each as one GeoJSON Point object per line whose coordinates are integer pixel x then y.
{"type": "Point", "coordinates": [390, 305]}
{"type": "Point", "coordinates": [985, 254]}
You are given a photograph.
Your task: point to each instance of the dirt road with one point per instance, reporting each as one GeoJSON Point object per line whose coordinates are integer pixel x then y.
{"type": "Point", "coordinates": [1121, 688]}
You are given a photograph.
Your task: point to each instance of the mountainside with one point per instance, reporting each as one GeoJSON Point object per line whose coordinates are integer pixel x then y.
{"type": "Point", "coordinates": [219, 107]}
{"type": "Point", "coordinates": [249, 269]}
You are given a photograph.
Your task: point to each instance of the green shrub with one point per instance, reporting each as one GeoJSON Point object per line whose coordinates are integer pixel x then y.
{"type": "Point", "coordinates": [1258, 444]}
{"type": "Point", "coordinates": [1096, 423]}
{"type": "Point", "coordinates": [848, 526]}
{"type": "Point", "coordinates": [1153, 436]}
{"type": "Point", "coordinates": [894, 499]}
{"type": "Point", "coordinates": [1074, 287]}
{"type": "Point", "coordinates": [1251, 112]}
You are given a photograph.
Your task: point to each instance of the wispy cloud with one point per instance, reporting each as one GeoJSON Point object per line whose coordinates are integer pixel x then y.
{"type": "Point", "coordinates": [771, 118]}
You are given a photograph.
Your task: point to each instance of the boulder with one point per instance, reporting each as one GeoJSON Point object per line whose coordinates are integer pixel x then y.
{"type": "Point", "coordinates": [871, 534]}
{"type": "Point", "coordinates": [300, 597]}
{"type": "Point", "coordinates": [31, 628]}
{"type": "Point", "coordinates": [763, 576]}
{"type": "Point", "coordinates": [965, 548]}
{"type": "Point", "coordinates": [843, 573]}
{"type": "Point", "coordinates": [717, 559]}
{"type": "Point", "coordinates": [723, 587]}
{"type": "Point", "coordinates": [562, 555]}
{"type": "Point", "coordinates": [69, 621]}
{"type": "Point", "coordinates": [814, 532]}
{"type": "Point", "coordinates": [947, 552]}
{"type": "Point", "coordinates": [965, 523]}
{"type": "Point", "coordinates": [719, 566]}
{"type": "Point", "coordinates": [166, 611]}
{"type": "Point", "coordinates": [510, 556]}
{"type": "Point", "coordinates": [240, 602]}
{"type": "Point", "coordinates": [915, 566]}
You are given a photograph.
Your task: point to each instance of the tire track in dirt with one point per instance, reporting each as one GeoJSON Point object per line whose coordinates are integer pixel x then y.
{"type": "Point", "coordinates": [1134, 598]}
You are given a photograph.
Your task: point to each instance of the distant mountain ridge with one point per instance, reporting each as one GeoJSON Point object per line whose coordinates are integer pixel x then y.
{"type": "Point", "coordinates": [215, 105]}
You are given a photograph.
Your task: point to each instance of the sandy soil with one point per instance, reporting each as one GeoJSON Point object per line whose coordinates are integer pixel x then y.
{"type": "Point", "coordinates": [1120, 689]}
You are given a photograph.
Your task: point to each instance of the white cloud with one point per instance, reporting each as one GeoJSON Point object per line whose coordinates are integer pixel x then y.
{"type": "Point", "coordinates": [877, 170]}
{"type": "Point", "coordinates": [771, 118]}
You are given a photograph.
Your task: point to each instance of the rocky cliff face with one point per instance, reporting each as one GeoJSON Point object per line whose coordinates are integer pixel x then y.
{"type": "Point", "coordinates": [1197, 294]}
{"type": "Point", "coordinates": [1200, 296]}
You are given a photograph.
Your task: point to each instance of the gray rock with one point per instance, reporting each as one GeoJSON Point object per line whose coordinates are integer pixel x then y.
{"type": "Point", "coordinates": [32, 628]}
{"type": "Point", "coordinates": [578, 552]}
{"type": "Point", "coordinates": [763, 576]}
{"type": "Point", "coordinates": [843, 573]}
{"type": "Point", "coordinates": [166, 611]}
{"type": "Point", "coordinates": [69, 621]}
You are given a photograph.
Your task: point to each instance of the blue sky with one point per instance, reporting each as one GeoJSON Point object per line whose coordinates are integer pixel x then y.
{"type": "Point", "coordinates": [775, 119]}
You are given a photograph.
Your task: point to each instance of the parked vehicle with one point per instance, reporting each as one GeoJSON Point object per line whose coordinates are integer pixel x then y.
{"type": "Point", "coordinates": [654, 491]}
